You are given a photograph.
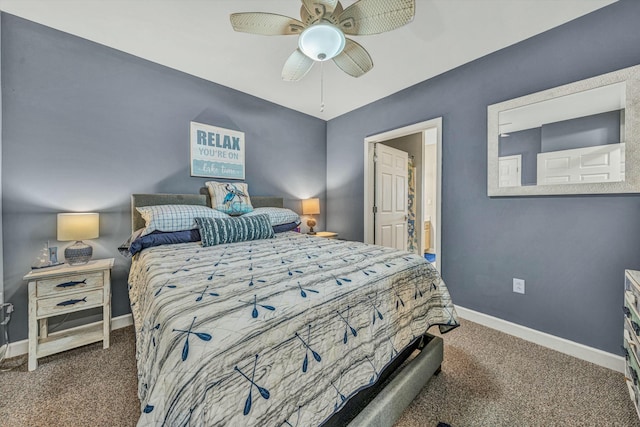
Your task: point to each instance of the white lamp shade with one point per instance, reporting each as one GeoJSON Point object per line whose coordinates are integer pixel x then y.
{"type": "Point", "coordinates": [78, 226]}
{"type": "Point", "coordinates": [321, 42]}
{"type": "Point", "coordinates": [311, 207]}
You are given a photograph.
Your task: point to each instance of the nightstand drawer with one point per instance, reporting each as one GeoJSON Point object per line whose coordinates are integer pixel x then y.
{"type": "Point", "coordinates": [70, 302]}
{"type": "Point", "coordinates": [66, 284]}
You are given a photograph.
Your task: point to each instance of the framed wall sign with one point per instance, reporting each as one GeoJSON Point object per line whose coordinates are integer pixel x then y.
{"type": "Point", "coordinates": [216, 152]}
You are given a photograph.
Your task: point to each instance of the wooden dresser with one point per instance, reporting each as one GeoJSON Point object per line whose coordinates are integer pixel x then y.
{"type": "Point", "coordinates": [632, 334]}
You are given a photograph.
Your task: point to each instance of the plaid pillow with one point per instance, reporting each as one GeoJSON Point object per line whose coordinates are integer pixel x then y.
{"type": "Point", "coordinates": [277, 216]}
{"type": "Point", "coordinates": [217, 231]}
{"type": "Point", "coordinates": [175, 217]}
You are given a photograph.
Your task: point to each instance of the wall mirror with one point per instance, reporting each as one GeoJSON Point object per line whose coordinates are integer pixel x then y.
{"type": "Point", "coordinates": [580, 138]}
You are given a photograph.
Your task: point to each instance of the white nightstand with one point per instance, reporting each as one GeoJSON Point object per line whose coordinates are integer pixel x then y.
{"type": "Point", "coordinates": [67, 289]}
{"type": "Point", "coordinates": [326, 234]}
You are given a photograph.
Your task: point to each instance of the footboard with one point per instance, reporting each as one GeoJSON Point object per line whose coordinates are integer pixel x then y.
{"type": "Point", "coordinates": [382, 404]}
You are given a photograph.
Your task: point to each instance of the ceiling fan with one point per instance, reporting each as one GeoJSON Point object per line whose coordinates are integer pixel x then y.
{"type": "Point", "coordinates": [321, 31]}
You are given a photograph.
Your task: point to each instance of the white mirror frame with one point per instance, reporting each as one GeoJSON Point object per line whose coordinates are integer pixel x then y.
{"type": "Point", "coordinates": [631, 184]}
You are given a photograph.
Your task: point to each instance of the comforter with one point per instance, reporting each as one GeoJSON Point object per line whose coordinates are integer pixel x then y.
{"type": "Point", "coordinates": [273, 332]}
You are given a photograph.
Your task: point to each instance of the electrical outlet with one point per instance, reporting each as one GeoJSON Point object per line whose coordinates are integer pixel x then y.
{"type": "Point", "coordinates": [518, 286]}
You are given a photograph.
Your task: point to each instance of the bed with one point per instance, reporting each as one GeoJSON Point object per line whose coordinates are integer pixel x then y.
{"type": "Point", "coordinates": [293, 330]}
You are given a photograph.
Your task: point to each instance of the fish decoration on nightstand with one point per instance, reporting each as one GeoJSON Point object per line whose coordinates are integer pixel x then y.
{"type": "Point", "coordinates": [71, 302]}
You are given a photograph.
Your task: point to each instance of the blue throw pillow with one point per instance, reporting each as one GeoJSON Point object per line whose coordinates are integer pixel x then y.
{"type": "Point", "coordinates": [217, 231]}
{"type": "Point", "coordinates": [281, 228]}
{"type": "Point", "coordinates": [158, 238]}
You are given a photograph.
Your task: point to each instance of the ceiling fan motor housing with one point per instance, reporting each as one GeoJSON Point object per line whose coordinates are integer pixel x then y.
{"type": "Point", "coordinates": [321, 41]}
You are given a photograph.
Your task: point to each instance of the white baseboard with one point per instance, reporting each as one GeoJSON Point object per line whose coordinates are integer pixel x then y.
{"type": "Point", "coordinates": [580, 351]}
{"type": "Point", "coordinates": [19, 348]}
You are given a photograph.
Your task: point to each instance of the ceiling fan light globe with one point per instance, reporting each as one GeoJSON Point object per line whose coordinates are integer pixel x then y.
{"type": "Point", "coordinates": [321, 42]}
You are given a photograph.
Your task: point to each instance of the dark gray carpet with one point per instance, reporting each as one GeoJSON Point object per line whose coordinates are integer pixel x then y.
{"type": "Point", "coordinates": [487, 379]}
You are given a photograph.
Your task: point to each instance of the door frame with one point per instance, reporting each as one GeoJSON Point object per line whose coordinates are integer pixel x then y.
{"type": "Point", "coordinates": [369, 196]}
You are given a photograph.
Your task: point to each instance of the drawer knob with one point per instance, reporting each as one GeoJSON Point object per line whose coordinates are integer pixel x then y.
{"type": "Point", "coordinates": [71, 284]}
{"type": "Point", "coordinates": [71, 302]}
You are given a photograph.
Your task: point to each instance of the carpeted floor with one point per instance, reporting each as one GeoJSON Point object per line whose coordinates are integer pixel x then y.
{"type": "Point", "coordinates": [487, 379]}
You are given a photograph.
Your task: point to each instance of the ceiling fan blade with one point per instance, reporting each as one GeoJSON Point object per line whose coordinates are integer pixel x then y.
{"type": "Point", "coordinates": [314, 7]}
{"type": "Point", "coordinates": [338, 10]}
{"type": "Point", "coordinates": [304, 15]}
{"type": "Point", "coordinates": [296, 67]}
{"type": "Point", "coordinates": [267, 24]}
{"type": "Point", "coordinates": [354, 59]}
{"type": "Point", "coordinates": [366, 17]}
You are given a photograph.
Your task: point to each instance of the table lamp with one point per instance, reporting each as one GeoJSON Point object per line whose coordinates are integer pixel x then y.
{"type": "Point", "coordinates": [78, 227]}
{"type": "Point", "coordinates": [311, 207]}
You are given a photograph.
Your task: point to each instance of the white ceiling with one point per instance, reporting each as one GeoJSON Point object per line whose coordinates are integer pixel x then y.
{"type": "Point", "coordinates": [195, 36]}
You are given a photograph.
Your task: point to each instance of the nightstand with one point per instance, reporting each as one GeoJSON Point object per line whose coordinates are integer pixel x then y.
{"type": "Point", "coordinates": [62, 290]}
{"type": "Point", "coordinates": [326, 234]}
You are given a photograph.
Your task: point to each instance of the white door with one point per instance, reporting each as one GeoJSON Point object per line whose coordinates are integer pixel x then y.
{"type": "Point", "coordinates": [510, 171]}
{"type": "Point", "coordinates": [391, 194]}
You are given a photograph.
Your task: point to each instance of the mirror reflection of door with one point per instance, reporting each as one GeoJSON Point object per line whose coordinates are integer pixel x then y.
{"type": "Point", "coordinates": [582, 165]}
{"type": "Point", "coordinates": [509, 172]}
{"type": "Point", "coordinates": [571, 139]}
{"type": "Point", "coordinates": [391, 193]}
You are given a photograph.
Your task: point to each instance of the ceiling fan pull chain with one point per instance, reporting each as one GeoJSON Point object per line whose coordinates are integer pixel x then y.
{"type": "Point", "coordinates": [321, 86]}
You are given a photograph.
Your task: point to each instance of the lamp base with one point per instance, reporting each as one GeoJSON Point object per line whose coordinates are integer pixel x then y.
{"type": "Point", "coordinates": [79, 253]}
{"type": "Point", "coordinates": [311, 223]}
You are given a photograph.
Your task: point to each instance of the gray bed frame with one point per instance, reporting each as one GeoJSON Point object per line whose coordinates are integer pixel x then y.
{"type": "Point", "coordinates": [377, 406]}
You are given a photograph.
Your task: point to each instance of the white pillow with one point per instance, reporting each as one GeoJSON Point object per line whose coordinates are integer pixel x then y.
{"type": "Point", "coordinates": [277, 216]}
{"type": "Point", "coordinates": [175, 217]}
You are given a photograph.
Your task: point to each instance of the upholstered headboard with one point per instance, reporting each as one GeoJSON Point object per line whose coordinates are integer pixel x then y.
{"type": "Point", "coordinates": [267, 202]}
{"type": "Point", "coordinates": [256, 201]}
{"type": "Point", "coordinates": [138, 200]}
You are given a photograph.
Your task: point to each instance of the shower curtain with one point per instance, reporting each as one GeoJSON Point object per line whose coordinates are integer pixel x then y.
{"type": "Point", "coordinates": [412, 236]}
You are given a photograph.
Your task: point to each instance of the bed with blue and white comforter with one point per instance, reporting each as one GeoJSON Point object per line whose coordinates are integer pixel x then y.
{"type": "Point", "coordinates": [273, 332]}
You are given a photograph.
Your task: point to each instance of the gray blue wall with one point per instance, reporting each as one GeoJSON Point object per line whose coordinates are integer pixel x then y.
{"type": "Point", "coordinates": [84, 126]}
{"type": "Point", "coordinates": [589, 131]}
{"type": "Point", "coordinates": [572, 251]}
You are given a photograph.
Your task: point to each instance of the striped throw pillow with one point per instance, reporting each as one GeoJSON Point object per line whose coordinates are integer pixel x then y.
{"type": "Point", "coordinates": [217, 231]}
